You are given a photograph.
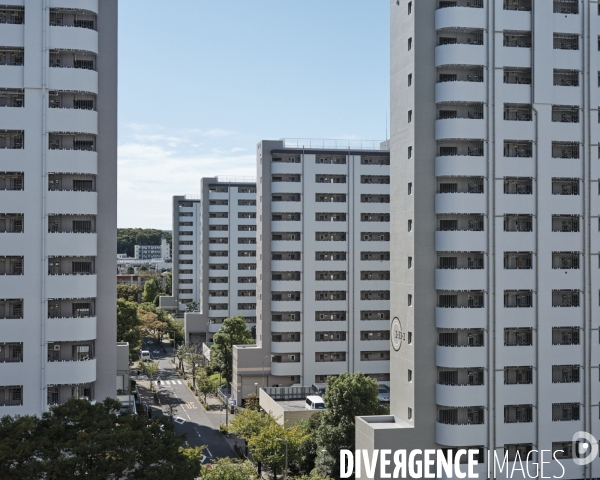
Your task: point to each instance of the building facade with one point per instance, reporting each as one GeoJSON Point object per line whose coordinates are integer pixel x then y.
{"type": "Point", "coordinates": [58, 192]}
{"type": "Point", "coordinates": [148, 252]}
{"type": "Point", "coordinates": [322, 267]}
{"type": "Point", "coordinates": [494, 146]}
{"type": "Point", "coordinates": [227, 266]}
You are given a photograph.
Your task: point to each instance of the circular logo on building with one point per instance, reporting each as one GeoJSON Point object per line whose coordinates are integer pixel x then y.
{"type": "Point", "coordinates": [396, 334]}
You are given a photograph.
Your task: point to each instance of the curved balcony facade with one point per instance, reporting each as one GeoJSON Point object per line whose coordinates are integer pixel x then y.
{"type": "Point", "coordinates": [461, 357]}
{"type": "Point", "coordinates": [70, 329]}
{"type": "Point", "coordinates": [464, 17]}
{"type": "Point", "coordinates": [85, 203]}
{"type": "Point", "coordinates": [461, 317]}
{"type": "Point", "coordinates": [71, 244]}
{"type": "Point", "coordinates": [286, 368]}
{"type": "Point", "coordinates": [91, 5]}
{"type": "Point", "coordinates": [459, 127]}
{"type": "Point", "coordinates": [71, 372]}
{"type": "Point", "coordinates": [461, 241]}
{"type": "Point", "coordinates": [75, 286]}
{"type": "Point", "coordinates": [285, 347]}
{"type": "Point", "coordinates": [459, 395]}
{"type": "Point", "coordinates": [460, 278]}
{"type": "Point", "coordinates": [75, 79]}
{"type": "Point", "coordinates": [460, 165]}
{"type": "Point", "coordinates": [72, 161]}
{"type": "Point", "coordinates": [461, 92]}
{"type": "Point", "coordinates": [460, 202]}
{"type": "Point", "coordinates": [72, 120]}
{"type": "Point", "coordinates": [458, 54]}
{"type": "Point", "coordinates": [65, 37]}
{"type": "Point", "coordinates": [460, 435]}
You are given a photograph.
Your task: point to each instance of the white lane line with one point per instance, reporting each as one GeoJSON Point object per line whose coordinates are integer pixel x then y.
{"type": "Point", "coordinates": [199, 436]}
{"type": "Point", "coordinates": [209, 454]}
{"type": "Point", "coordinates": [179, 382]}
{"type": "Point", "coordinates": [186, 413]}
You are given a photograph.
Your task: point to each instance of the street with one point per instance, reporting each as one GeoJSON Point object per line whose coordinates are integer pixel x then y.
{"type": "Point", "coordinates": [201, 427]}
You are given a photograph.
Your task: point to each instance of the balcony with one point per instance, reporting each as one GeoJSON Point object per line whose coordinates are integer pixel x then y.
{"type": "Point", "coordinates": [460, 435]}
{"type": "Point", "coordinates": [457, 395]}
{"type": "Point", "coordinates": [460, 357]}
{"type": "Point", "coordinates": [460, 241]}
{"type": "Point", "coordinates": [64, 37]}
{"type": "Point", "coordinates": [460, 279]}
{"type": "Point", "coordinates": [76, 286]}
{"type": "Point", "coordinates": [76, 161]}
{"type": "Point", "coordinates": [460, 202]}
{"type": "Point", "coordinates": [70, 329]}
{"type": "Point", "coordinates": [82, 203]}
{"type": "Point", "coordinates": [460, 127]}
{"type": "Point", "coordinates": [471, 89]}
{"type": "Point", "coordinates": [456, 54]}
{"type": "Point", "coordinates": [287, 368]}
{"type": "Point", "coordinates": [71, 120]}
{"type": "Point", "coordinates": [71, 372]}
{"type": "Point", "coordinates": [460, 16]}
{"type": "Point", "coordinates": [73, 79]}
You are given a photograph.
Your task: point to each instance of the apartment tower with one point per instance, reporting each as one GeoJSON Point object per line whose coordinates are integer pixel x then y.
{"type": "Point", "coordinates": [322, 267]}
{"type": "Point", "coordinates": [495, 273]}
{"type": "Point", "coordinates": [58, 198]}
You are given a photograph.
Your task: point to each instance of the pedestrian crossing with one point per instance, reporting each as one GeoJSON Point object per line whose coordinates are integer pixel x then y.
{"type": "Point", "coordinates": [168, 382]}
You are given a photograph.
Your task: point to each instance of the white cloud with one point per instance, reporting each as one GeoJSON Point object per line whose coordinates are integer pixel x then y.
{"type": "Point", "coordinates": [154, 166]}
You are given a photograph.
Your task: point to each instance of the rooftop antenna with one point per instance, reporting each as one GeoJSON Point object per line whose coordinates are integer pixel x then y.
{"type": "Point", "coordinates": [386, 136]}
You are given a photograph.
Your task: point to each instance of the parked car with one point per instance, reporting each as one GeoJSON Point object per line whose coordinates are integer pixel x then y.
{"type": "Point", "coordinates": [384, 393]}
{"type": "Point", "coordinates": [314, 402]}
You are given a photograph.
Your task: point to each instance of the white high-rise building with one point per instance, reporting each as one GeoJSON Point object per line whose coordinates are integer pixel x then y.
{"type": "Point", "coordinates": [214, 255]}
{"type": "Point", "coordinates": [58, 198]}
{"type": "Point", "coordinates": [322, 267]}
{"type": "Point", "coordinates": [495, 201]}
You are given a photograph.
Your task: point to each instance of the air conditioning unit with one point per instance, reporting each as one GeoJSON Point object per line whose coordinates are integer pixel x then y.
{"type": "Point", "coordinates": [292, 316]}
{"type": "Point", "coordinates": [56, 347]}
{"type": "Point", "coordinates": [292, 357]}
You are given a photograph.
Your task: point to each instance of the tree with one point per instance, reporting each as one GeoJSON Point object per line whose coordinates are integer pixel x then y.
{"type": "Point", "coordinates": [269, 445]}
{"type": "Point", "coordinates": [78, 439]}
{"type": "Point", "coordinates": [252, 402]}
{"type": "Point", "coordinates": [307, 452]}
{"type": "Point", "coordinates": [194, 358]}
{"type": "Point", "coordinates": [180, 353]}
{"type": "Point", "coordinates": [206, 385]}
{"type": "Point", "coordinates": [150, 368]}
{"type": "Point", "coordinates": [154, 321]}
{"type": "Point", "coordinates": [131, 293]}
{"type": "Point", "coordinates": [150, 291]}
{"type": "Point", "coordinates": [130, 270]}
{"type": "Point", "coordinates": [233, 332]}
{"type": "Point", "coordinates": [168, 282]}
{"type": "Point", "coordinates": [248, 423]}
{"type": "Point", "coordinates": [192, 306]}
{"type": "Point", "coordinates": [127, 238]}
{"type": "Point", "coordinates": [313, 476]}
{"type": "Point", "coordinates": [128, 325]}
{"type": "Point", "coordinates": [347, 396]}
{"type": "Point", "coordinates": [143, 268]}
{"type": "Point", "coordinates": [229, 469]}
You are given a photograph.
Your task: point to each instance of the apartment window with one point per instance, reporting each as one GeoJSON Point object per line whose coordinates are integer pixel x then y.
{"type": "Point", "coordinates": [12, 15]}
{"type": "Point", "coordinates": [375, 217]}
{"type": "Point", "coordinates": [375, 315]}
{"type": "Point", "coordinates": [518, 337]}
{"type": "Point", "coordinates": [410, 338]}
{"type": "Point", "coordinates": [518, 186]}
{"type": "Point", "coordinates": [565, 260]}
{"type": "Point", "coordinates": [327, 316]}
{"type": "Point", "coordinates": [463, 337]}
{"type": "Point", "coordinates": [566, 41]}
{"type": "Point", "coordinates": [11, 395]}
{"type": "Point", "coordinates": [517, 39]}
{"type": "Point", "coordinates": [520, 112]}
{"type": "Point", "coordinates": [513, 148]}
{"type": "Point", "coordinates": [410, 188]}
{"type": "Point", "coordinates": [409, 152]}
{"type": "Point", "coordinates": [566, 78]}
{"type": "Point", "coordinates": [409, 300]}
{"type": "Point", "coordinates": [11, 352]}
{"type": "Point", "coordinates": [12, 139]}
{"type": "Point", "coordinates": [11, 56]}
{"type": "Point", "coordinates": [518, 299]}
{"type": "Point", "coordinates": [519, 5]}
{"type": "Point", "coordinates": [409, 263]}
{"type": "Point", "coordinates": [375, 356]}
{"type": "Point", "coordinates": [409, 413]}
{"type": "Point", "coordinates": [565, 335]}
{"type": "Point", "coordinates": [374, 256]}
{"type": "Point", "coordinates": [329, 236]}
{"type": "Point", "coordinates": [374, 236]}
{"type": "Point", "coordinates": [460, 415]}
{"type": "Point", "coordinates": [375, 179]}
{"type": "Point", "coordinates": [518, 223]}
{"type": "Point", "coordinates": [410, 225]}
{"type": "Point", "coordinates": [409, 79]}
{"type": "Point", "coordinates": [409, 8]}
{"type": "Point", "coordinates": [409, 117]}
{"type": "Point", "coordinates": [410, 43]}
{"type": "Point", "coordinates": [519, 76]}
{"type": "Point", "coordinates": [565, 373]}
{"type": "Point", "coordinates": [566, 6]}
{"type": "Point", "coordinates": [409, 376]}
{"type": "Point", "coordinates": [330, 336]}
{"type": "Point", "coordinates": [364, 198]}
{"type": "Point", "coordinates": [460, 376]}
{"type": "Point", "coordinates": [518, 413]}
{"type": "Point", "coordinates": [565, 223]}
{"type": "Point", "coordinates": [565, 186]}
{"type": "Point", "coordinates": [564, 412]}
{"type": "Point", "coordinates": [11, 265]}
{"type": "Point", "coordinates": [565, 298]}
{"type": "Point", "coordinates": [518, 375]}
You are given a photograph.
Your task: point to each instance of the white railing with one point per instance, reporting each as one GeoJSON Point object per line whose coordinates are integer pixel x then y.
{"type": "Point", "coordinates": [235, 179]}
{"type": "Point", "coordinates": [335, 144]}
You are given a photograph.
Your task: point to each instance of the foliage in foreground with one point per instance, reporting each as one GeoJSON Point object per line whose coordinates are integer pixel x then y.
{"type": "Point", "coordinates": [78, 439]}
{"type": "Point", "coordinates": [228, 469]}
{"type": "Point", "coordinates": [233, 332]}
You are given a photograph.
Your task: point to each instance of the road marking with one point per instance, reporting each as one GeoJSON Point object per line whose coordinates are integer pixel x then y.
{"type": "Point", "coordinates": [179, 382]}
{"type": "Point", "coordinates": [199, 436]}
{"type": "Point", "coordinates": [155, 351]}
{"type": "Point", "coordinates": [209, 454]}
{"type": "Point", "coordinates": [180, 420]}
{"type": "Point", "coordinates": [191, 405]}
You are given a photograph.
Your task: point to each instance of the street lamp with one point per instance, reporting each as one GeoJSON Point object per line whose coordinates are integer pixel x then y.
{"type": "Point", "coordinates": [286, 457]}
{"type": "Point", "coordinates": [256, 389]}
{"type": "Point", "coordinates": [263, 369]}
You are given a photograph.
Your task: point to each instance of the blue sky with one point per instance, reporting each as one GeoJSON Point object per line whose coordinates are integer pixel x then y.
{"type": "Point", "coordinates": [201, 82]}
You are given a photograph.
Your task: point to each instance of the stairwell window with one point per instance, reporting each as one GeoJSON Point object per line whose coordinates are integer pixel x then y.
{"type": "Point", "coordinates": [410, 188]}
{"type": "Point", "coordinates": [409, 152]}
{"type": "Point", "coordinates": [409, 301]}
{"type": "Point", "coordinates": [409, 116]}
{"type": "Point", "coordinates": [410, 225]}
{"type": "Point", "coordinates": [410, 43]}
{"type": "Point", "coordinates": [409, 79]}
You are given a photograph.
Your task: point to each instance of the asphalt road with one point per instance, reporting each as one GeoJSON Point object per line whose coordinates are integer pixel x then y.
{"type": "Point", "coordinates": [202, 428]}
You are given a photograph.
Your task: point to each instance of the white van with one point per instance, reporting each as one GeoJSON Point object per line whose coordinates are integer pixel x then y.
{"type": "Point", "coordinates": [145, 356]}
{"type": "Point", "coordinates": [314, 402]}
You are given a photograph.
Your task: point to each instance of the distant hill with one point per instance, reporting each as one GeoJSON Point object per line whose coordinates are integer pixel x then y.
{"type": "Point", "coordinates": [127, 238]}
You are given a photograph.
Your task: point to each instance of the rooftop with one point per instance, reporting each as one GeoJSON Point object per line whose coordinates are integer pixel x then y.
{"type": "Point", "coordinates": [333, 144]}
